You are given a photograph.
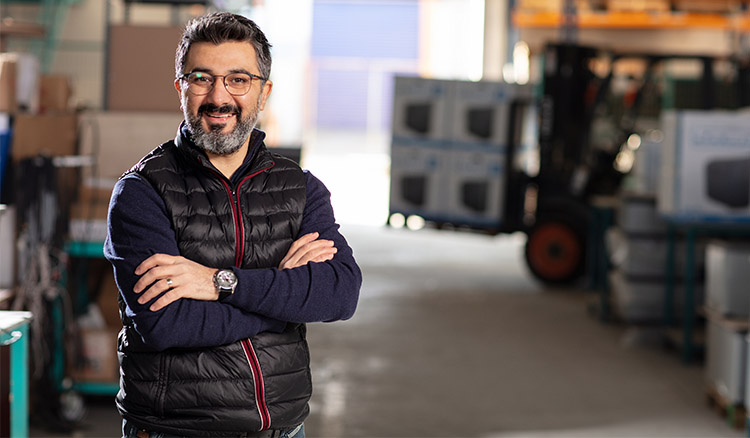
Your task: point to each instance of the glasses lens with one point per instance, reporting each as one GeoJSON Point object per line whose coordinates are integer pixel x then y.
{"type": "Point", "coordinates": [238, 83]}
{"type": "Point", "coordinates": [200, 83]}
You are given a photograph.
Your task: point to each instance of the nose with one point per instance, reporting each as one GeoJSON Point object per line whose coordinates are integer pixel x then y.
{"type": "Point", "coordinates": [219, 94]}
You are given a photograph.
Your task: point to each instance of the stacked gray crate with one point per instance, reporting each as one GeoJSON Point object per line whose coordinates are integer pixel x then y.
{"type": "Point", "coordinates": [638, 252]}
{"type": "Point", "coordinates": [449, 149]}
{"type": "Point", "coordinates": [419, 157]}
{"type": "Point", "coordinates": [727, 310]}
{"type": "Point", "coordinates": [478, 147]}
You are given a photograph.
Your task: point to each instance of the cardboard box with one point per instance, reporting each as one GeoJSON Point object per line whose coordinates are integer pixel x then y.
{"type": "Point", "coordinates": [476, 184]}
{"type": "Point", "coordinates": [421, 108]}
{"type": "Point", "coordinates": [141, 68]}
{"type": "Point", "coordinates": [705, 168]}
{"type": "Point", "coordinates": [119, 139]}
{"type": "Point", "coordinates": [107, 300]}
{"type": "Point", "coordinates": [418, 183]}
{"type": "Point", "coordinates": [726, 360]}
{"type": "Point", "coordinates": [54, 93]}
{"type": "Point", "coordinates": [47, 134]}
{"type": "Point", "coordinates": [727, 277]}
{"type": "Point", "coordinates": [97, 361]}
{"type": "Point", "coordinates": [8, 71]}
{"type": "Point", "coordinates": [481, 111]}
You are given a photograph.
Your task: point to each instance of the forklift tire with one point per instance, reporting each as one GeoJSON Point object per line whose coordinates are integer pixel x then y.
{"type": "Point", "coordinates": [555, 252]}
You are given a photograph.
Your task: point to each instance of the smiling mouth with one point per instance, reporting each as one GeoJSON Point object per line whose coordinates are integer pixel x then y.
{"type": "Point", "coordinates": [218, 114]}
{"type": "Point", "coordinates": [221, 117]}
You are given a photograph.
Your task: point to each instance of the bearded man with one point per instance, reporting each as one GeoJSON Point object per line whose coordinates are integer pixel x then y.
{"type": "Point", "coordinates": [222, 252]}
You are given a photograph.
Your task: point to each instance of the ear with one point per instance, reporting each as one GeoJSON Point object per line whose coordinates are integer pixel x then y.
{"type": "Point", "coordinates": [178, 87]}
{"type": "Point", "coordinates": [264, 94]}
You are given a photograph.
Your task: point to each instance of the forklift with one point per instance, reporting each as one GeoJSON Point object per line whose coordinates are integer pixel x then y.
{"type": "Point", "coordinates": [552, 204]}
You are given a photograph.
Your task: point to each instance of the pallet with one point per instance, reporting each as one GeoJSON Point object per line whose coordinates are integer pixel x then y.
{"type": "Point", "coordinates": [735, 414]}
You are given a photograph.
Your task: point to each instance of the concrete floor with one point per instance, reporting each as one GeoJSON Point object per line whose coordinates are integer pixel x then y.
{"type": "Point", "coordinates": [453, 338]}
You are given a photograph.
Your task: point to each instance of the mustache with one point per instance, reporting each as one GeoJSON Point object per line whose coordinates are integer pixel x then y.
{"type": "Point", "coordinates": [226, 108]}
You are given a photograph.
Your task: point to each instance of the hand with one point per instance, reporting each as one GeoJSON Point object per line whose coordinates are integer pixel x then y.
{"type": "Point", "coordinates": [180, 277]}
{"type": "Point", "coordinates": [307, 249]}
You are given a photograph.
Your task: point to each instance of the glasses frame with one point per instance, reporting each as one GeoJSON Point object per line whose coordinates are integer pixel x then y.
{"type": "Point", "coordinates": [184, 77]}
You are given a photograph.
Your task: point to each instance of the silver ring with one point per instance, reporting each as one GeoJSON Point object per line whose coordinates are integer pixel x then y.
{"type": "Point", "coordinates": [169, 282]}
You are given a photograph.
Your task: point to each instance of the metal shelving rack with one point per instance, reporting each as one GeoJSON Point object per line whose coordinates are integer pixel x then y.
{"type": "Point", "coordinates": [44, 32]}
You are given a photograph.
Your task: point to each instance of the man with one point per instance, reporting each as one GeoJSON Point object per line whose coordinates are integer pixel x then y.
{"type": "Point", "coordinates": [222, 252]}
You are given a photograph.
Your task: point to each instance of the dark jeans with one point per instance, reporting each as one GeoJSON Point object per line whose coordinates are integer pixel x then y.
{"type": "Point", "coordinates": [131, 431]}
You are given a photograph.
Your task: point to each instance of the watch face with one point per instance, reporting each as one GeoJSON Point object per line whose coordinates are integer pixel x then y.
{"type": "Point", "coordinates": [226, 279]}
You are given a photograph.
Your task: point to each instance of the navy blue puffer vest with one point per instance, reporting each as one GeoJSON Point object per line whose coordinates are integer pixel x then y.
{"type": "Point", "coordinates": [251, 385]}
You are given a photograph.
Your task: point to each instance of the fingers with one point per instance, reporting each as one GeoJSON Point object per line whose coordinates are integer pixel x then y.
{"type": "Point", "coordinates": [313, 251]}
{"type": "Point", "coordinates": [155, 289]}
{"type": "Point", "coordinates": [169, 278]}
{"type": "Point", "coordinates": [153, 274]}
{"type": "Point", "coordinates": [155, 260]}
{"type": "Point", "coordinates": [296, 245]}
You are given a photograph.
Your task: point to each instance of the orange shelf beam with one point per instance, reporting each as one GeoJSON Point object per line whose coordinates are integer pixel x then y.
{"type": "Point", "coordinates": [634, 20]}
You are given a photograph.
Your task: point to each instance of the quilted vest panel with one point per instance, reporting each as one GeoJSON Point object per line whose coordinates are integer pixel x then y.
{"type": "Point", "coordinates": [260, 383]}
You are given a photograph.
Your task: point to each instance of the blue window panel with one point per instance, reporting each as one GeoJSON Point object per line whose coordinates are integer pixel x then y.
{"type": "Point", "coordinates": [366, 29]}
{"type": "Point", "coordinates": [342, 99]}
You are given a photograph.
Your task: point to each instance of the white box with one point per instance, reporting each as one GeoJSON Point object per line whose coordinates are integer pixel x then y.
{"type": "Point", "coordinates": [637, 214]}
{"type": "Point", "coordinates": [28, 72]}
{"type": "Point", "coordinates": [645, 256]}
{"type": "Point", "coordinates": [705, 165]}
{"type": "Point", "coordinates": [481, 111]}
{"type": "Point", "coordinates": [646, 170]}
{"type": "Point", "coordinates": [418, 178]}
{"type": "Point", "coordinates": [421, 108]}
{"type": "Point", "coordinates": [643, 301]}
{"type": "Point", "coordinates": [726, 360]}
{"type": "Point", "coordinates": [7, 246]}
{"type": "Point", "coordinates": [728, 278]}
{"type": "Point", "coordinates": [476, 185]}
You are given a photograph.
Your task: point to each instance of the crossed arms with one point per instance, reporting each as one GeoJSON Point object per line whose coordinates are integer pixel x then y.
{"type": "Point", "coordinates": [318, 280]}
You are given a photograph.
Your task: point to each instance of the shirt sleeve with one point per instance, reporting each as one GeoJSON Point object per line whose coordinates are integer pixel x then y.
{"type": "Point", "coordinates": [138, 228]}
{"type": "Point", "coordinates": [326, 291]}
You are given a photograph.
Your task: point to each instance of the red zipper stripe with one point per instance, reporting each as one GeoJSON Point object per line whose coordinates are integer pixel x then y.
{"type": "Point", "coordinates": [236, 218]}
{"type": "Point", "coordinates": [252, 358]}
{"type": "Point", "coordinates": [260, 395]}
{"type": "Point", "coordinates": [240, 253]}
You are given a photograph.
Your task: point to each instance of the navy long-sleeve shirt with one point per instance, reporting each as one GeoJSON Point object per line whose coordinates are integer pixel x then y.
{"type": "Point", "coordinates": [264, 300]}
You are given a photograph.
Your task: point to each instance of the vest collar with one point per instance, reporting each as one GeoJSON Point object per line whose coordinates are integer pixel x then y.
{"type": "Point", "coordinates": [255, 159]}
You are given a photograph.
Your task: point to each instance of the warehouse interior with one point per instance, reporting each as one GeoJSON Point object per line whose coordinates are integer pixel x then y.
{"type": "Point", "coordinates": [549, 202]}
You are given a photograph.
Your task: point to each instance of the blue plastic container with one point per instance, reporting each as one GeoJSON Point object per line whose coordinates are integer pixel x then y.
{"type": "Point", "coordinates": [5, 137]}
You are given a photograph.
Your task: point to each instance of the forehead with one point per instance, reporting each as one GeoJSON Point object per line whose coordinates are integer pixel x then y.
{"type": "Point", "coordinates": [221, 58]}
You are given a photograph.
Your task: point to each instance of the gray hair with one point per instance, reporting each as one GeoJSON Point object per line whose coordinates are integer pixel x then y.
{"type": "Point", "coordinates": [222, 27]}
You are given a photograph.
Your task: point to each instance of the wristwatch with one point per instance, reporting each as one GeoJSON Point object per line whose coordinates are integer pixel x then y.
{"type": "Point", "coordinates": [225, 281]}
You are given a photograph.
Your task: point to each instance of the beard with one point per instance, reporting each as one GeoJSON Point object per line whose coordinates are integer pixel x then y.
{"type": "Point", "coordinates": [213, 140]}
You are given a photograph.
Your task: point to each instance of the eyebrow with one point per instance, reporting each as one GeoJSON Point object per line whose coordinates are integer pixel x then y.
{"type": "Point", "coordinates": [209, 71]}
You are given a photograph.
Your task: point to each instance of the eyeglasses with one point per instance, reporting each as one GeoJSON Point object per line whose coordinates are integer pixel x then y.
{"type": "Point", "coordinates": [237, 84]}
